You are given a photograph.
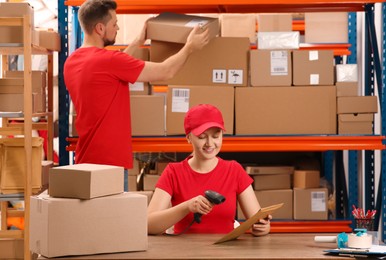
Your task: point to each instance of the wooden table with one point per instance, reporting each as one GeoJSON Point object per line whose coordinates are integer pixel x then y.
{"type": "Point", "coordinates": [189, 246]}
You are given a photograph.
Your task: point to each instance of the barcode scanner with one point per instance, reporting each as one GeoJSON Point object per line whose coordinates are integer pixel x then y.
{"type": "Point", "coordinates": [214, 198]}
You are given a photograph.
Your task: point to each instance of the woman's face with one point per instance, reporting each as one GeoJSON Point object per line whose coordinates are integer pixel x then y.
{"type": "Point", "coordinates": [208, 144]}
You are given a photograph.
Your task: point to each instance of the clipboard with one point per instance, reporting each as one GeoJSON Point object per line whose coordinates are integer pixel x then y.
{"type": "Point", "coordinates": [262, 213]}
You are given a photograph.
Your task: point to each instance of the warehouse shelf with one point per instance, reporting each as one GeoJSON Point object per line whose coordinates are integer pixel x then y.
{"type": "Point", "coordinates": [258, 143]}
{"type": "Point", "coordinates": [234, 6]}
{"type": "Point", "coordinates": [330, 143]}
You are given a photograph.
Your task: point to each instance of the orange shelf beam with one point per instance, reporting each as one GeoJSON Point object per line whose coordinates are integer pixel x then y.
{"type": "Point", "coordinates": [235, 6]}
{"type": "Point", "coordinates": [258, 143]}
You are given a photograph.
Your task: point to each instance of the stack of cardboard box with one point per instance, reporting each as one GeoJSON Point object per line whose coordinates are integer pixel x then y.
{"type": "Point", "coordinates": [273, 89]}
{"type": "Point", "coordinates": [299, 190]}
{"type": "Point", "coordinates": [86, 212]}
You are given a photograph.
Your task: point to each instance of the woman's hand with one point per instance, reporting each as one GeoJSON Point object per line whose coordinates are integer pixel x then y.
{"type": "Point", "coordinates": [262, 227]}
{"type": "Point", "coordinates": [200, 204]}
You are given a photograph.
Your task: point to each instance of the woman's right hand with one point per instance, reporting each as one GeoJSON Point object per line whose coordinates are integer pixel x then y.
{"type": "Point", "coordinates": [200, 204]}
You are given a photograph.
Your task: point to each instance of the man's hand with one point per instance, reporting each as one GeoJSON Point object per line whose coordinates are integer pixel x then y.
{"type": "Point", "coordinates": [197, 38]}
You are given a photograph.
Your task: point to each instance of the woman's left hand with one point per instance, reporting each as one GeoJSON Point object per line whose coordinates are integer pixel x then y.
{"type": "Point", "coordinates": [262, 227]}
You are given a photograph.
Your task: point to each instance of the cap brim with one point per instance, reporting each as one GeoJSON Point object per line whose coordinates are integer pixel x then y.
{"type": "Point", "coordinates": [202, 128]}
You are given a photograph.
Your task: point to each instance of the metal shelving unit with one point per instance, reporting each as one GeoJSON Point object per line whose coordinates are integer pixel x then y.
{"type": "Point", "coordinates": [331, 145]}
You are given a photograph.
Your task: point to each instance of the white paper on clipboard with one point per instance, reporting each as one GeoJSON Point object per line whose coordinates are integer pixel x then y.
{"type": "Point", "coordinates": [262, 213]}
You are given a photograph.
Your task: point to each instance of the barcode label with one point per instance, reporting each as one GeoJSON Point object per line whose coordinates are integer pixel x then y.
{"type": "Point", "coordinates": [180, 100]}
{"type": "Point", "coordinates": [318, 201]}
{"type": "Point", "coordinates": [178, 92]}
{"type": "Point", "coordinates": [279, 63]}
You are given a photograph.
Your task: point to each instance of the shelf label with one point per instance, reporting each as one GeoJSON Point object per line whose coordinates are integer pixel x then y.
{"type": "Point", "coordinates": [318, 201]}
{"type": "Point", "coordinates": [235, 77]}
{"type": "Point", "coordinates": [219, 76]}
{"type": "Point", "coordinates": [279, 63]}
{"type": "Point", "coordinates": [180, 100]}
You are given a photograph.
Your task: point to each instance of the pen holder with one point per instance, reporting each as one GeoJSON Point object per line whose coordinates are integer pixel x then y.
{"type": "Point", "coordinates": [367, 223]}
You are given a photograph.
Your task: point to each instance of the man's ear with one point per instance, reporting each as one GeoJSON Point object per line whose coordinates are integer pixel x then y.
{"type": "Point", "coordinates": [188, 138]}
{"type": "Point", "coordinates": [100, 29]}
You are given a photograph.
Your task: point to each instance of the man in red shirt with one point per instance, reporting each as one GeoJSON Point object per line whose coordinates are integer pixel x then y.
{"type": "Point", "coordinates": [97, 80]}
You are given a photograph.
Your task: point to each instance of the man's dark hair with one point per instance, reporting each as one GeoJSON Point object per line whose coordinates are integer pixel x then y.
{"type": "Point", "coordinates": [92, 12]}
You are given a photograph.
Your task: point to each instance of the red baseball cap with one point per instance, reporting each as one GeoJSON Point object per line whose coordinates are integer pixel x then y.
{"type": "Point", "coordinates": [202, 117]}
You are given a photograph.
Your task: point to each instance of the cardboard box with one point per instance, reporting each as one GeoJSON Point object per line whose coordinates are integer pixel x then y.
{"type": "Point", "coordinates": [46, 166]}
{"type": "Point", "coordinates": [13, 165]}
{"type": "Point", "coordinates": [326, 27]}
{"type": "Point", "coordinates": [148, 194]}
{"type": "Point", "coordinates": [274, 22]}
{"type": "Point", "coordinates": [222, 62]}
{"type": "Point", "coordinates": [149, 182]}
{"type": "Point", "coordinates": [270, 197]}
{"type": "Point", "coordinates": [310, 204]}
{"type": "Point", "coordinates": [11, 248]}
{"type": "Point", "coordinates": [147, 115]}
{"type": "Point", "coordinates": [85, 181]}
{"type": "Point", "coordinates": [270, 68]}
{"type": "Point", "coordinates": [314, 67]}
{"type": "Point", "coordinates": [271, 181]}
{"type": "Point", "coordinates": [133, 185]}
{"type": "Point", "coordinates": [306, 179]}
{"type": "Point", "coordinates": [347, 89]}
{"type": "Point", "coordinates": [48, 39]}
{"type": "Point", "coordinates": [278, 40]}
{"type": "Point", "coordinates": [285, 110]}
{"type": "Point", "coordinates": [355, 123]}
{"type": "Point", "coordinates": [39, 86]}
{"type": "Point", "coordinates": [13, 35]}
{"type": "Point", "coordinates": [238, 25]}
{"type": "Point", "coordinates": [356, 105]}
{"type": "Point", "coordinates": [173, 27]}
{"type": "Point", "coordinates": [181, 98]}
{"type": "Point", "coordinates": [12, 97]}
{"type": "Point", "coordinates": [109, 224]}
{"type": "Point", "coordinates": [254, 170]}
{"type": "Point", "coordinates": [141, 88]}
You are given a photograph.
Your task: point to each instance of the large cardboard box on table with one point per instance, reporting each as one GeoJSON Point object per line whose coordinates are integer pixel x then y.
{"type": "Point", "coordinates": [147, 115]}
{"type": "Point", "coordinates": [222, 62]}
{"type": "Point", "coordinates": [270, 68]}
{"type": "Point", "coordinates": [13, 35]}
{"type": "Point", "coordinates": [85, 181]}
{"type": "Point", "coordinates": [285, 110]}
{"type": "Point", "coordinates": [270, 197]}
{"type": "Point", "coordinates": [109, 224]}
{"type": "Point", "coordinates": [313, 67]}
{"type": "Point", "coordinates": [11, 248]}
{"type": "Point", "coordinates": [310, 204]}
{"type": "Point", "coordinates": [13, 165]}
{"type": "Point", "coordinates": [173, 27]}
{"type": "Point", "coordinates": [181, 98]}
{"type": "Point", "coordinates": [238, 25]}
{"type": "Point", "coordinates": [39, 86]}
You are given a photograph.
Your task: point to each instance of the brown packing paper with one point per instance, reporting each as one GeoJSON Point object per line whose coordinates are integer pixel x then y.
{"type": "Point", "coordinates": [262, 213]}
